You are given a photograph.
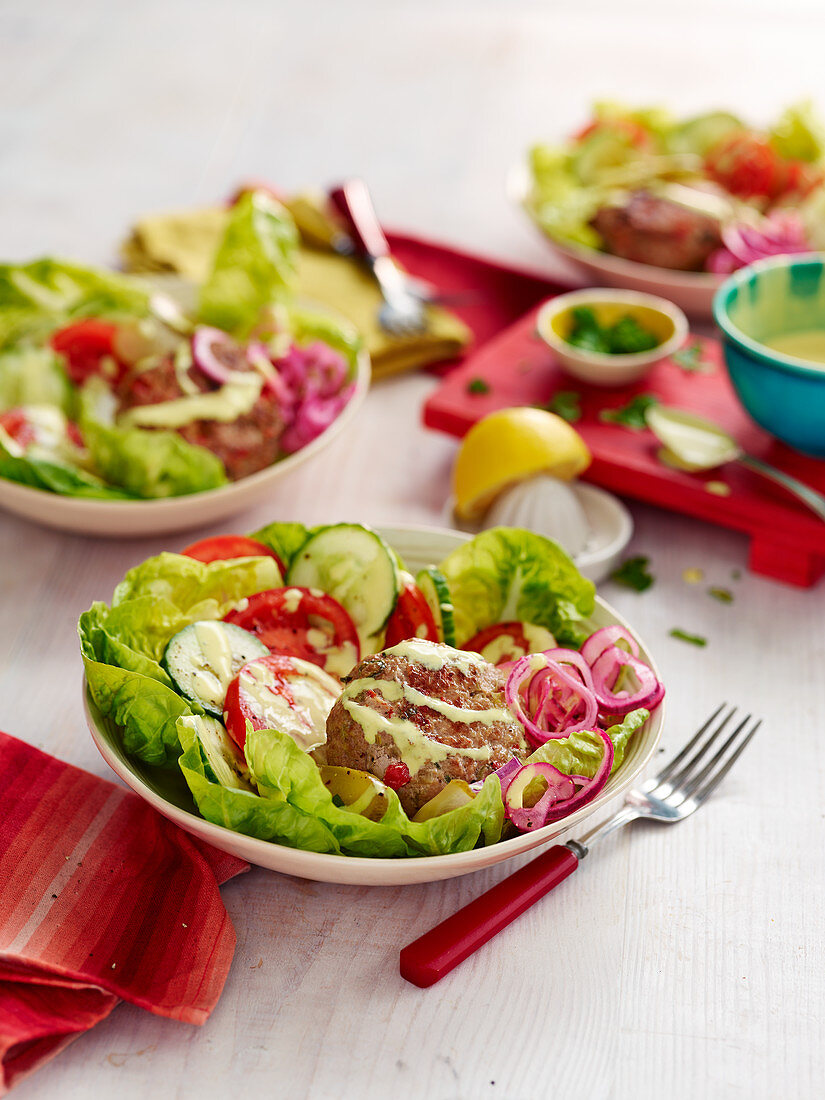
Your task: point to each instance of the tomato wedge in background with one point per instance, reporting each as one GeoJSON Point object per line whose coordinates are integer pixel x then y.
{"type": "Point", "coordinates": [412, 617]}
{"type": "Point", "coordinates": [281, 693]}
{"type": "Point", "coordinates": [43, 425]}
{"type": "Point", "coordinates": [85, 345]}
{"type": "Point", "coordinates": [302, 622]}
{"type": "Point", "coordinates": [504, 642]}
{"type": "Point", "coordinates": [18, 427]}
{"type": "Point", "coordinates": [747, 165]}
{"type": "Point", "coordinates": [221, 547]}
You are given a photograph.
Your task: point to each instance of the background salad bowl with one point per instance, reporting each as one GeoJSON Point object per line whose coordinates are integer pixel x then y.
{"type": "Point", "coordinates": [166, 791]}
{"type": "Point", "coordinates": [126, 518]}
{"type": "Point", "coordinates": [691, 291]}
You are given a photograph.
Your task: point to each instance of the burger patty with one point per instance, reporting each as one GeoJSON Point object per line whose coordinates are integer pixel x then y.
{"type": "Point", "coordinates": [249, 443]}
{"type": "Point", "coordinates": [420, 715]}
{"type": "Point", "coordinates": [658, 231]}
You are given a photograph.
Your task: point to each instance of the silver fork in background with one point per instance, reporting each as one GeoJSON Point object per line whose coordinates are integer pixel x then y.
{"type": "Point", "coordinates": [679, 789]}
{"type": "Point", "coordinates": [402, 312]}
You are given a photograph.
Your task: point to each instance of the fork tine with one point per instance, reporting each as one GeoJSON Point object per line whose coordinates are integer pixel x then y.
{"type": "Point", "coordinates": [667, 773]}
{"type": "Point", "coordinates": [713, 782]}
{"type": "Point", "coordinates": [688, 783]}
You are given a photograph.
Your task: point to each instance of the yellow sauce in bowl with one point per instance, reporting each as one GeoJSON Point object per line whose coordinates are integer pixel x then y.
{"type": "Point", "coordinates": [809, 344]}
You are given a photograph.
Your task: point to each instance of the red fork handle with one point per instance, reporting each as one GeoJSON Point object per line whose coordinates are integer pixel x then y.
{"type": "Point", "coordinates": [352, 200]}
{"type": "Point", "coordinates": [427, 959]}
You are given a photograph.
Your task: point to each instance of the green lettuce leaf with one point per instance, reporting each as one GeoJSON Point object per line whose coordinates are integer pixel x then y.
{"type": "Point", "coordinates": [33, 376]}
{"type": "Point", "coordinates": [799, 134]}
{"type": "Point", "coordinates": [296, 809]}
{"type": "Point", "coordinates": [581, 752]}
{"type": "Point", "coordinates": [145, 710]}
{"type": "Point", "coordinates": [255, 265]}
{"type": "Point", "coordinates": [286, 539]}
{"type": "Point", "coordinates": [199, 590]}
{"type": "Point", "coordinates": [151, 464]}
{"type": "Point", "coordinates": [509, 574]}
{"type": "Point", "coordinates": [38, 297]}
{"type": "Point", "coordinates": [55, 477]}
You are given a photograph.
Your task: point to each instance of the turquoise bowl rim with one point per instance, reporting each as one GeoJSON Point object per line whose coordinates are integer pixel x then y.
{"type": "Point", "coordinates": [721, 299]}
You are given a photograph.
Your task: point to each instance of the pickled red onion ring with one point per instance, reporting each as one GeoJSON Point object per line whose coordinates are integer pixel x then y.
{"type": "Point", "coordinates": [606, 671]}
{"type": "Point", "coordinates": [570, 693]}
{"type": "Point", "coordinates": [602, 639]}
{"type": "Point", "coordinates": [204, 340]}
{"type": "Point", "coordinates": [561, 797]}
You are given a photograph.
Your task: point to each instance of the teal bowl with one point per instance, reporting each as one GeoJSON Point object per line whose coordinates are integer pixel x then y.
{"type": "Point", "coordinates": [769, 299]}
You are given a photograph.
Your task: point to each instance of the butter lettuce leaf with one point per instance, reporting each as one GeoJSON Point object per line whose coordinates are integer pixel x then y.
{"type": "Point", "coordinates": [200, 590]}
{"type": "Point", "coordinates": [34, 376]}
{"type": "Point", "coordinates": [151, 464]}
{"type": "Point", "coordinates": [38, 297]}
{"type": "Point", "coordinates": [254, 266]}
{"type": "Point", "coordinates": [581, 752]}
{"type": "Point", "coordinates": [286, 539]}
{"type": "Point", "coordinates": [509, 574]}
{"type": "Point", "coordinates": [296, 809]}
{"type": "Point", "coordinates": [55, 477]}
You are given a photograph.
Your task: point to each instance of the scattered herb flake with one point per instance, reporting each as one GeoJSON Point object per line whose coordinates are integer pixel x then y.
{"type": "Point", "coordinates": [723, 595]}
{"type": "Point", "coordinates": [631, 415]}
{"type": "Point", "coordinates": [684, 636]}
{"type": "Point", "coordinates": [691, 359]}
{"type": "Point", "coordinates": [478, 385]}
{"type": "Point", "coordinates": [736, 574]}
{"type": "Point", "coordinates": [633, 573]}
{"type": "Point", "coordinates": [718, 488]}
{"type": "Point", "coordinates": [693, 576]}
{"type": "Point", "coordinates": [566, 404]}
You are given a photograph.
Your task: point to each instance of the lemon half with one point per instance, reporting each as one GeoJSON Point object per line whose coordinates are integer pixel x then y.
{"type": "Point", "coordinates": [509, 446]}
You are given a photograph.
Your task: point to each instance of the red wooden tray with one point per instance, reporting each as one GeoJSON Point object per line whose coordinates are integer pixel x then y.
{"type": "Point", "coordinates": [787, 542]}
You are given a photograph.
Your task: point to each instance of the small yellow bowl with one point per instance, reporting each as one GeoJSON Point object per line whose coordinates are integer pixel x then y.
{"type": "Point", "coordinates": [659, 316]}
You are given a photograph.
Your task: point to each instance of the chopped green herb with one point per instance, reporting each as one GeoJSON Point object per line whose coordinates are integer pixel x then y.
{"type": "Point", "coordinates": [693, 575]}
{"type": "Point", "coordinates": [478, 385]}
{"type": "Point", "coordinates": [724, 595]}
{"type": "Point", "coordinates": [633, 573]}
{"type": "Point", "coordinates": [736, 574]}
{"type": "Point", "coordinates": [624, 337]}
{"type": "Point", "coordinates": [683, 636]}
{"type": "Point", "coordinates": [691, 359]}
{"type": "Point", "coordinates": [631, 415]}
{"type": "Point", "coordinates": [566, 404]}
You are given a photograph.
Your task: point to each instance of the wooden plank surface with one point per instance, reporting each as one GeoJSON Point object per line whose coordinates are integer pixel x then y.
{"type": "Point", "coordinates": [684, 962]}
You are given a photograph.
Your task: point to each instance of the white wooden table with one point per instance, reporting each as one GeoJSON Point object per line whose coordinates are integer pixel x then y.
{"type": "Point", "coordinates": [687, 962]}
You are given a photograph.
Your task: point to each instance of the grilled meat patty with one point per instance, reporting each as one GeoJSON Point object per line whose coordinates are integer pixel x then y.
{"type": "Point", "coordinates": [658, 231]}
{"type": "Point", "coordinates": [421, 714]}
{"type": "Point", "coordinates": [249, 443]}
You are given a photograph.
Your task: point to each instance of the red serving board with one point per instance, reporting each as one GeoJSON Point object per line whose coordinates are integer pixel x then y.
{"type": "Point", "coordinates": [787, 542]}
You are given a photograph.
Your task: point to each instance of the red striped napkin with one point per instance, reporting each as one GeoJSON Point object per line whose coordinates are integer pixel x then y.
{"type": "Point", "coordinates": [101, 898]}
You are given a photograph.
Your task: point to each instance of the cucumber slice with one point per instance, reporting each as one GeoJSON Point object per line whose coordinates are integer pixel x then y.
{"type": "Point", "coordinates": [205, 657]}
{"type": "Point", "coordinates": [436, 591]}
{"type": "Point", "coordinates": [356, 567]}
{"type": "Point", "coordinates": [223, 761]}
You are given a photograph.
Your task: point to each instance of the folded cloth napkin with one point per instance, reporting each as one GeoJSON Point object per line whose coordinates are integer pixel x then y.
{"type": "Point", "coordinates": [184, 242]}
{"type": "Point", "coordinates": [101, 898]}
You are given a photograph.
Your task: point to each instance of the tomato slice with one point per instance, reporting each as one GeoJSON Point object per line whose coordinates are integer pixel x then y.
{"type": "Point", "coordinates": [282, 693]}
{"type": "Point", "coordinates": [504, 642]}
{"type": "Point", "coordinates": [222, 547]}
{"type": "Point", "coordinates": [412, 617]}
{"type": "Point", "coordinates": [16, 424]}
{"type": "Point", "coordinates": [747, 166]}
{"type": "Point", "coordinates": [85, 345]}
{"type": "Point", "coordinates": [302, 622]}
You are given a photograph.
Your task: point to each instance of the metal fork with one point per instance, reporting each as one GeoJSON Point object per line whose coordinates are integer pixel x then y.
{"type": "Point", "coordinates": [402, 312]}
{"type": "Point", "coordinates": [679, 789]}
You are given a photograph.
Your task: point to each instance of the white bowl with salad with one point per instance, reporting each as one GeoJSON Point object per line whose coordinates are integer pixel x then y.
{"type": "Point", "coordinates": [649, 202]}
{"type": "Point", "coordinates": [142, 405]}
{"type": "Point", "coordinates": [214, 677]}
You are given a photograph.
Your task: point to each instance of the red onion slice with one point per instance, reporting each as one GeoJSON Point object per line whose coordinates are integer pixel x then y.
{"type": "Point", "coordinates": [606, 671]}
{"type": "Point", "coordinates": [602, 639]}
{"type": "Point", "coordinates": [561, 797]}
{"type": "Point", "coordinates": [573, 696]}
{"type": "Point", "coordinates": [204, 342]}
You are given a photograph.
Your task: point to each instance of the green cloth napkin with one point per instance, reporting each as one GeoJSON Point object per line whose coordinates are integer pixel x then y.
{"type": "Point", "coordinates": [184, 242]}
